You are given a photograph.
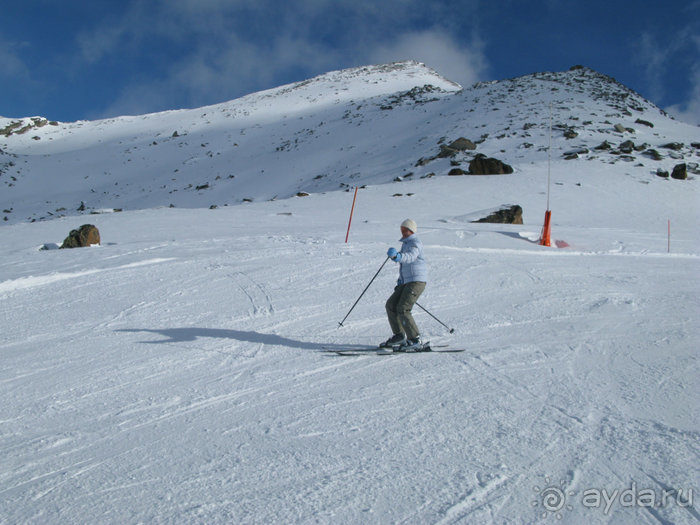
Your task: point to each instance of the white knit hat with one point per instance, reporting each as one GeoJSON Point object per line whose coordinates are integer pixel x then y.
{"type": "Point", "coordinates": [410, 224]}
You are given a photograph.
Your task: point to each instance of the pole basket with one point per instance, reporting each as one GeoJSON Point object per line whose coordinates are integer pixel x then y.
{"type": "Point", "coordinates": [545, 238]}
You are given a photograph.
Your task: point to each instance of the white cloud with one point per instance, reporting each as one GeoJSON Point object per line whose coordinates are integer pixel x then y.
{"type": "Point", "coordinates": [215, 73]}
{"type": "Point", "coordinates": [103, 41]}
{"type": "Point", "coordinates": [207, 51]}
{"type": "Point", "coordinates": [457, 62]}
{"type": "Point", "coordinates": [19, 82]}
{"type": "Point", "coordinates": [656, 57]}
{"type": "Point", "coordinates": [689, 111]}
{"type": "Point", "coordinates": [11, 65]}
{"type": "Point", "coordinates": [653, 58]}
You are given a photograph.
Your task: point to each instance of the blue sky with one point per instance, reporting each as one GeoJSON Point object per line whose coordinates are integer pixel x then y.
{"type": "Point", "coordinates": [71, 59]}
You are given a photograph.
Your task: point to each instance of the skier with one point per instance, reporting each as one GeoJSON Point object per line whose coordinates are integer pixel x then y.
{"type": "Point", "coordinates": [413, 275]}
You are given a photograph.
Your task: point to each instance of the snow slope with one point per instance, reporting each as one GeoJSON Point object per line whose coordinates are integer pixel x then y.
{"type": "Point", "coordinates": [179, 373]}
{"type": "Point", "coordinates": [343, 129]}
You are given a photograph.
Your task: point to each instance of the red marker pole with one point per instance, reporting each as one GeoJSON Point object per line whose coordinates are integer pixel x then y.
{"type": "Point", "coordinates": [547, 228]}
{"type": "Point", "coordinates": [351, 212]}
{"type": "Point", "coordinates": [545, 239]}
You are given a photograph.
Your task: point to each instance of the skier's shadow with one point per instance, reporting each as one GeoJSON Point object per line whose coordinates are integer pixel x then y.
{"type": "Point", "coordinates": [181, 335]}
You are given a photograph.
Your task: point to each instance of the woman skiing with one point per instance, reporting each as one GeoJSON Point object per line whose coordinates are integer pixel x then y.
{"type": "Point", "coordinates": [413, 275]}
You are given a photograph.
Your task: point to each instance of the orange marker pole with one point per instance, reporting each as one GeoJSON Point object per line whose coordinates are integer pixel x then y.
{"type": "Point", "coordinates": [351, 212]}
{"type": "Point", "coordinates": [547, 229]}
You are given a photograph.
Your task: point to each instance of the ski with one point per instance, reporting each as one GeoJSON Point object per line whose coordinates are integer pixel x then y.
{"type": "Point", "coordinates": [360, 348]}
{"type": "Point", "coordinates": [428, 349]}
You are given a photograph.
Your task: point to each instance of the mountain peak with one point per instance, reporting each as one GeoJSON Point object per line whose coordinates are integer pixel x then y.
{"type": "Point", "coordinates": [578, 81]}
{"type": "Point", "coordinates": [363, 125]}
{"type": "Point", "coordinates": [350, 84]}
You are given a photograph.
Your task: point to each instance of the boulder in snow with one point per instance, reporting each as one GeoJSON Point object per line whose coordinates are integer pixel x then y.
{"type": "Point", "coordinates": [483, 165]}
{"type": "Point", "coordinates": [86, 235]}
{"type": "Point", "coordinates": [680, 172]}
{"type": "Point", "coordinates": [508, 214]}
{"type": "Point", "coordinates": [461, 144]}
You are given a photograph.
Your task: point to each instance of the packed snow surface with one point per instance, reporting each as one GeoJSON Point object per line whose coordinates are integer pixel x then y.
{"type": "Point", "coordinates": [182, 371]}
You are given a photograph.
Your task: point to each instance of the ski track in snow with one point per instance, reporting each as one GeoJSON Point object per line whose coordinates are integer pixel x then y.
{"type": "Point", "coordinates": [40, 280]}
{"type": "Point", "coordinates": [179, 373]}
{"type": "Point", "coordinates": [194, 386]}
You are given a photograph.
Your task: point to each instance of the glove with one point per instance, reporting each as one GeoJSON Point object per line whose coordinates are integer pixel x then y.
{"type": "Point", "coordinates": [393, 254]}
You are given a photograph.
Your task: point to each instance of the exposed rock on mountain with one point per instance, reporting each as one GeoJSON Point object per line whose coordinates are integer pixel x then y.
{"type": "Point", "coordinates": [680, 172]}
{"type": "Point", "coordinates": [86, 235]}
{"type": "Point", "coordinates": [342, 129]}
{"type": "Point", "coordinates": [508, 214]}
{"type": "Point", "coordinates": [483, 165]}
{"type": "Point", "coordinates": [455, 147]}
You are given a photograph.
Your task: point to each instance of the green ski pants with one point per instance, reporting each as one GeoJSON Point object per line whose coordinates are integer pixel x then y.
{"type": "Point", "coordinates": [398, 308]}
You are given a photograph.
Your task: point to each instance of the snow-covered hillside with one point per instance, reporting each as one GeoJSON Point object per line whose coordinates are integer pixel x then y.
{"type": "Point", "coordinates": [180, 372]}
{"type": "Point", "coordinates": [353, 127]}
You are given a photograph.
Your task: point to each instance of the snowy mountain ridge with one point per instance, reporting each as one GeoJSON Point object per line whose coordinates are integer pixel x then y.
{"type": "Point", "coordinates": [183, 370]}
{"type": "Point", "coordinates": [359, 126]}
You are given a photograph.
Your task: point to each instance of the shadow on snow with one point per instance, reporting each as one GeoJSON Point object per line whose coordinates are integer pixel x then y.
{"type": "Point", "coordinates": [180, 335]}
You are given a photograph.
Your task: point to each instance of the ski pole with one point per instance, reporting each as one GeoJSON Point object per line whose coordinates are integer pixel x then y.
{"type": "Point", "coordinates": [438, 320]}
{"type": "Point", "coordinates": [363, 291]}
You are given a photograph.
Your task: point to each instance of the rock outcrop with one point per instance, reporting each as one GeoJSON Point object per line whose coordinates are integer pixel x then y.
{"type": "Point", "coordinates": [86, 235]}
